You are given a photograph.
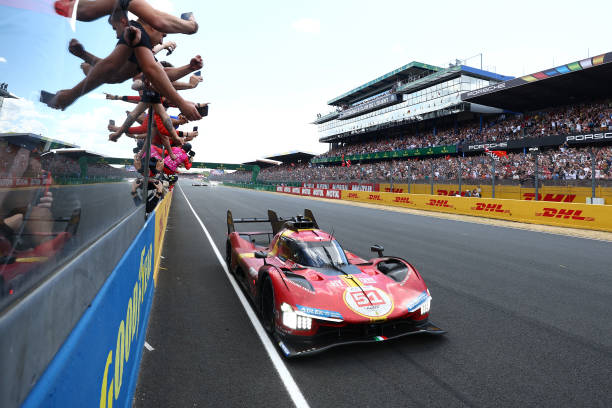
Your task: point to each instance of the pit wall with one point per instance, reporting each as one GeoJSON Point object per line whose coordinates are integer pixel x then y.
{"type": "Point", "coordinates": [562, 194]}
{"type": "Point", "coordinates": [584, 216]}
{"type": "Point", "coordinates": [98, 364]}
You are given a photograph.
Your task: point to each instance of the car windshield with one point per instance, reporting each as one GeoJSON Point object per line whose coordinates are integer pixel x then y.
{"type": "Point", "coordinates": [319, 253]}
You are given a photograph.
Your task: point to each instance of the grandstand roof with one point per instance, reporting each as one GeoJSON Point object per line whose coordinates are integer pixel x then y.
{"type": "Point", "coordinates": [575, 82]}
{"type": "Point", "coordinates": [293, 156]}
{"type": "Point", "coordinates": [449, 73]}
{"type": "Point", "coordinates": [367, 89]}
{"type": "Point", "coordinates": [31, 141]}
{"type": "Point", "coordinates": [75, 154]}
{"type": "Point", "coordinates": [263, 163]}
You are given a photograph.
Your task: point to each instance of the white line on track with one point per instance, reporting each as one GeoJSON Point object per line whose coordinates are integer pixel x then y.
{"type": "Point", "coordinates": [148, 346]}
{"type": "Point", "coordinates": [277, 361]}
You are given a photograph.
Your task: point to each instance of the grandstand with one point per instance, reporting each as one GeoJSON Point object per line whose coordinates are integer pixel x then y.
{"type": "Point", "coordinates": [425, 124]}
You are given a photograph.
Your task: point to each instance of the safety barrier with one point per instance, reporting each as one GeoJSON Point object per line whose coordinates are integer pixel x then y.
{"type": "Point", "coordinates": [98, 363]}
{"type": "Point", "coordinates": [595, 217]}
{"type": "Point", "coordinates": [564, 214]}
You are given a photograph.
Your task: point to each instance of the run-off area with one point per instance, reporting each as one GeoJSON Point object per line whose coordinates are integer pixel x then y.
{"type": "Point", "coordinates": [527, 315]}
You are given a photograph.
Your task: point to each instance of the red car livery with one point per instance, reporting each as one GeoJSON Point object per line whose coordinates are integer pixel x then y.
{"type": "Point", "coordinates": [312, 295]}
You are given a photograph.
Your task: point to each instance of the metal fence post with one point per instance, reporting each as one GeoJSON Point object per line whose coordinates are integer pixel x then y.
{"type": "Point", "coordinates": [460, 171]}
{"type": "Point", "coordinates": [145, 170]}
{"type": "Point", "coordinates": [409, 178]}
{"type": "Point", "coordinates": [432, 177]}
{"type": "Point", "coordinates": [536, 177]}
{"type": "Point", "coordinates": [493, 179]}
{"type": "Point", "coordinates": [592, 176]}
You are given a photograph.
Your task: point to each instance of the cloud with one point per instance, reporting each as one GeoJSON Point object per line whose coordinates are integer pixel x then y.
{"type": "Point", "coordinates": [2, 59]}
{"type": "Point", "coordinates": [21, 116]}
{"type": "Point", "coordinates": [307, 25]}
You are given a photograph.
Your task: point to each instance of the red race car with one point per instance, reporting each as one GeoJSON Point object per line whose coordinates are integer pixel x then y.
{"type": "Point", "coordinates": [312, 295]}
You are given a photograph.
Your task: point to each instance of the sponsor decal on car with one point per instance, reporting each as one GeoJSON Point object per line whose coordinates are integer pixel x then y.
{"type": "Point", "coordinates": [368, 301]}
{"type": "Point", "coordinates": [563, 213]}
{"type": "Point", "coordinates": [318, 312]}
{"type": "Point", "coordinates": [418, 301]}
{"type": "Point", "coordinates": [491, 208]}
{"type": "Point", "coordinates": [339, 283]}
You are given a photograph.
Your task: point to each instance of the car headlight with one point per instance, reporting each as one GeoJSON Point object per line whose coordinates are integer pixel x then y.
{"type": "Point", "coordinates": [293, 320]}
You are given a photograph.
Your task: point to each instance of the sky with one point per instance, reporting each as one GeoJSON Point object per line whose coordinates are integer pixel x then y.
{"type": "Point", "coordinates": [271, 66]}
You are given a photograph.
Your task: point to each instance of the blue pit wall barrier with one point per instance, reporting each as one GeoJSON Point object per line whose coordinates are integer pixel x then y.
{"type": "Point", "coordinates": [98, 364]}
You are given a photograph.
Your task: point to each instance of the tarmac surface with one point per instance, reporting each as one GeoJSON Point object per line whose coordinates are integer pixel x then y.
{"type": "Point", "coordinates": [527, 315]}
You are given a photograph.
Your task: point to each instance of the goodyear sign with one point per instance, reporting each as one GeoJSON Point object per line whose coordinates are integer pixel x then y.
{"type": "Point", "coordinates": [557, 213]}
{"type": "Point", "coordinates": [98, 364]}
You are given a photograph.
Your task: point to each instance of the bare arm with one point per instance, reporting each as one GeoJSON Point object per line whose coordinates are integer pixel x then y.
{"type": "Point", "coordinates": [161, 21]}
{"type": "Point", "coordinates": [158, 78]}
{"type": "Point", "coordinates": [177, 73]}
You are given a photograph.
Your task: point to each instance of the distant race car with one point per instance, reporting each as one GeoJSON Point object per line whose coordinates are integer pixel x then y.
{"type": "Point", "coordinates": [200, 183]}
{"type": "Point", "coordinates": [312, 295]}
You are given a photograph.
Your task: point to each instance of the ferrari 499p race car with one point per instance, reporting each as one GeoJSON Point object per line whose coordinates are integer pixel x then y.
{"type": "Point", "coordinates": [312, 295]}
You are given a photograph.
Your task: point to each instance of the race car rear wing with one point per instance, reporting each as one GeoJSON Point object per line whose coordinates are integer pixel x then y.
{"type": "Point", "coordinates": [278, 223]}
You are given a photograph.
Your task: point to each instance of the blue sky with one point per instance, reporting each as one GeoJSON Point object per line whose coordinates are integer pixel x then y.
{"type": "Point", "coordinates": [271, 66]}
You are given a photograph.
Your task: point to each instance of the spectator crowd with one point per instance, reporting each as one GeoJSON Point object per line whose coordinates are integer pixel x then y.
{"type": "Point", "coordinates": [555, 164]}
{"type": "Point", "coordinates": [558, 121]}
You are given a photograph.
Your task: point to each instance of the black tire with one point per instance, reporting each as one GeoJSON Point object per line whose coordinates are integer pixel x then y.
{"type": "Point", "coordinates": [267, 305]}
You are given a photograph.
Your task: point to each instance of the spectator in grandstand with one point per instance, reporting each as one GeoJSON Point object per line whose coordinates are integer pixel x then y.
{"type": "Point", "coordinates": [132, 54]}
{"type": "Point", "coordinates": [93, 10]}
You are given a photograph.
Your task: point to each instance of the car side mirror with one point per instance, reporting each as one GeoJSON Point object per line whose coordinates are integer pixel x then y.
{"type": "Point", "coordinates": [261, 255]}
{"type": "Point", "coordinates": [377, 248]}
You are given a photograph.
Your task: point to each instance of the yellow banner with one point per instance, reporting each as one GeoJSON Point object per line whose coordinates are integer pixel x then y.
{"type": "Point", "coordinates": [576, 195]}
{"type": "Point", "coordinates": [161, 220]}
{"type": "Point", "coordinates": [595, 217]}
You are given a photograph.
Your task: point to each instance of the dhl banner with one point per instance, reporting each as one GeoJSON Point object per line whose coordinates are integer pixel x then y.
{"type": "Point", "coordinates": [559, 194]}
{"type": "Point", "coordinates": [563, 214]}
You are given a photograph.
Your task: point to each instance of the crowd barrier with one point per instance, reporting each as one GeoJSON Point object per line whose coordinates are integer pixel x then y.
{"type": "Point", "coordinates": [563, 214]}
{"type": "Point", "coordinates": [98, 363]}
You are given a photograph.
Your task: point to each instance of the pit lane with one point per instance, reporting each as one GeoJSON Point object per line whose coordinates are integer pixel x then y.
{"type": "Point", "coordinates": [527, 315]}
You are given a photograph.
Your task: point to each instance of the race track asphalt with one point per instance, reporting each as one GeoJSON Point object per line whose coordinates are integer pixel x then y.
{"type": "Point", "coordinates": [527, 315]}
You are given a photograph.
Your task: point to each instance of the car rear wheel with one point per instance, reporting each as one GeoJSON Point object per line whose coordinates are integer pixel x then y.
{"type": "Point", "coordinates": [267, 305]}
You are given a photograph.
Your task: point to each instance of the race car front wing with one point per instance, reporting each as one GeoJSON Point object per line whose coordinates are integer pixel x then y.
{"type": "Point", "coordinates": [297, 346]}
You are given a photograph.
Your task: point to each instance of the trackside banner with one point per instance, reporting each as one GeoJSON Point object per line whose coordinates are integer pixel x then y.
{"type": "Point", "coordinates": [311, 192]}
{"type": "Point", "coordinates": [98, 364]}
{"type": "Point", "coordinates": [563, 214]}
